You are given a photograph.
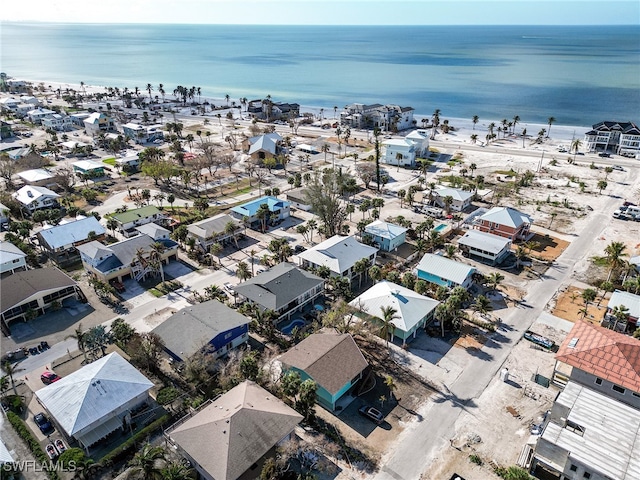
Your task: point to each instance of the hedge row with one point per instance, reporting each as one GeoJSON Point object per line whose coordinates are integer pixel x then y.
{"type": "Point", "coordinates": [124, 449]}
{"type": "Point", "coordinates": [23, 431]}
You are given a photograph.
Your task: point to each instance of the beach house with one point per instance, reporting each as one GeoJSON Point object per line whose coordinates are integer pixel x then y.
{"type": "Point", "coordinates": [88, 168]}
{"type": "Point", "coordinates": [622, 138]}
{"type": "Point", "coordinates": [142, 134]}
{"type": "Point", "coordinates": [444, 272]}
{"type": "Point", "coordinates": [386, 236]}
{"type": "Point", "coordinates": [625, 302]}
{"type": "Point", "coordinates": [58, 122]}
{"type": "Point", "coordinates": [489, 248]}
{"type": "Point", "coordinates": [263, 146]}
{"type": "Point", "coordinates": [249, 212]}
{"type": "Point", "coordinates": [38, 177]}
{"type": "Point", "coordinates": [460, 199]}
{"type": "Point", "coordinates": [36, 198]}
{"type": "Point", "coordinates": [412, 310]}
{"type": "Point", "coordinates": [385, 117]}
{"type": "Point", "coordinates": [97, 123]}
{"type": "Point", "coordinates": [59, 242]}
{"type": "Point", "coordinates": [12, 259]}
{"type": "Point", "coordinates": [129, 219]}
{"type": "Point", "coordinates": [298, 199]}
{"type": "Point", "coordinates": [339, 254]}
{"type": "Point", "coordinates": [220, 228]}
{"type": "Point", "coordinates": [36, 115]}
{"type": "Point", "coordinates": [404, 151]}
{"type": "Point", "coordinates": [505, 222]}
{"type": "Point", "coordinates": [332, 360]}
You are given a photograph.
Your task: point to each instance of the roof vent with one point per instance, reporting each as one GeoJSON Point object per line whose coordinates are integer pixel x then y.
{"type": "Point", "coordinates": [29, 194]}
{"type": "Point", "coordinates": [573, 342]}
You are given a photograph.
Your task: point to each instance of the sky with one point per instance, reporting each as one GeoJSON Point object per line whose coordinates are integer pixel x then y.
{"type": "Point", "coordinates": [330, 12]}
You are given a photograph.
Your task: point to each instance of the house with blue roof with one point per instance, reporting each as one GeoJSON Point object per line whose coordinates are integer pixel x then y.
{"type": "Point", "coordinates": [444, 272]}
{"type": "Point", "coordinates": [60, 241]}
{"type": "Point", "coordinates": [385, 236]}
{"type": "Point", "coordinates": [278, 210]}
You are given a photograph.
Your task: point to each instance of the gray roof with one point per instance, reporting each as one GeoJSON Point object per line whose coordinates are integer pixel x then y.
{"type": "Point", "coordinates": [484, 241]}
{"type": "Point", "coordinates": [126, 249]}
{"type": "Point", "coordinates": [278, 286]}
{"type": "Point", "coordinates": [23, 285]}
{"type": "Point", "coordinates": [506, 216]}
{"type": "Point", "coordinates": [94, 249]}
{"type": "Point", "coordinates": [454, 193]}
{"type": "Point", "coordinates": [211, 227]}
{"type": "Point", "coordinates": [331, 359]}
{"type": "Point", "coordinates": [154, 230]}
{"type": "Point", "coordinates": [610, 442]}
{"type": "Point", "coordinates": [92, 393]}
{"type": "Point", "coordinates": [9, 252]}
{"type": "Point", "coordinates": [339, 253]}
{"type": "Point", "coordinates": [232, 433]}
{"type": "Point", "coordinates": [445, 268]}
{"type": "Point", "coordinates": [71, 232]}
{"type": "Point", "coordinates": [629, 300]}
{"type": "Point", "coordinates": [187, 331]}
{"type": "Point", "coordinates": [411, 307]}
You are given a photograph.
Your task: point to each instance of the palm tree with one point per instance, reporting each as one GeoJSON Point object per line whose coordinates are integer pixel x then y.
{"type": "Point", "coordinates": [620, 314]}
{"type": "Point", "coordinates": [388, 381]}
{"type": "Point", "coordinates": [216, 250]}
{"type": "Point", "coordinates": [575, 146]}
{"type": "Point", "coordinates": [147, 463]}
{"type": "Point", "coordinates": [613, 255]}
{"type": "Point", "coordinates": [79, 336]}
{"type": "Point", "coordinates": [243, 272]}
{"type": "Point", "coordinates": [177, 471]}
{"type": "Point", "coordinates": [10, 370]}
{"type": "Point", "coordinates": [230, 230]}
{"type": "Point", "coordinates": [448, 201]}
{"type": "Point", "coordinates": [515, 121]}
{"type": "Point", "coordinates": [482, 305]}
{"type": "Point", "coordinates": [375, 273]}
{"type": "Point", "coordinates": [388, 328]}
{"type": "Point", "coordinates": [361, 267]}
{"type": "Point", "coordinates": [475, 120]}
{"type": "Point", "coordinates": [550, 121]}
{"type": "Point", "coordinates": [494, 279]}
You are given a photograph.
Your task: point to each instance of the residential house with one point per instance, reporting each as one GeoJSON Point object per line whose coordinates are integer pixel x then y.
{"type": "Point", "coordinates": [489, 248]}
{"type": "Point", "coordinates": [78, 118]}
{"type": "Point", "coordinates": [129, 219]}
{"type": "Point", "coordinates": [210, 327]}
{"type": "Point", "coordinates": [588, 435]}
{"type": "Point", "coordinates": [154, 231]}
{"type": "Point", "coordinates": [412, 310]}
{"type": "Point", "coordinates": [8, 104]}
{"type": "Point", "coordinates": [405, 151]}
{"type": "Point", "coordinates": [96, 400]}
{"type": "Point", "coordinates": [268, 110]}
{"type": "Point", "coordinates": [385, 117]}
{"type": "Point", "coordinates": [6, 130]}
{"type": "Point", "coordinates": [27, 294]}
{"type": "Point", "coordinates": [284, 288]}
{"type": "Point", "coordinates": [505, 222]}
{"type": "Point", "coordinates": [600, 359]}
{"type": "Point", "coordinates": [36, 115]}
{"type": "Point", "coordinates": [130, 258]}
{"type": "Point", "coordinates": [97, 123]}
{"type": "Point", "coordinates": [248, 212]}
{"type": "Point", "coordinates": [332, 360]}
{"type": "Point", "coordinates": [39, 177]}
{"type": "Point", "coordinates": [622, 138]}
{"type": "Point", "coordinates": [229, 438]}
{"type": "Point", "coordinates": [142, 134]}
{"type": "Point", "coordinates": [622, 299]}
{"type": "Point", "coordinates": [339, 254]}
{"type": "Point", "coordinates": [4, 216]}
{"type": "Point", "coordinates": [60, 241]}
{"type": "Point", "coordinates": [36, 198]}
{"type": "Point", "coordinates": [130, 163]}
{"type": "Point", "coordinates": [444, 272]}
{"type": "Point", "coordinates": [460, 199]}
{"type": "Point", "coordinates": [12, 259]}
{"type": "Point", "coordinates": [58, 122]}
{"type": "Point", "coordinates": [213, 230]}
{"type": "Point", "coordinates": [88, 168]}
{"type": "Point", "coordinates": [298, 199]}
{"type": "Point", "coordinates": [385, 236]}
{"type": "Point", "coordinates": [263, 146]}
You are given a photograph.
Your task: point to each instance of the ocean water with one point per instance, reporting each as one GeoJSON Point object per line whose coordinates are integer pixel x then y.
{"type": "Point", "coordinates": [579, 75]}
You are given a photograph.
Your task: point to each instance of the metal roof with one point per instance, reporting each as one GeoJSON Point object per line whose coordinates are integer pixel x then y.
{"type": "Point", "coordinates": [339, 253]}
{"type": "Point", "coordinates": [35, 175]}
{"type": "Point", "coordinates": [610, 440]}
{"type": "Point", "coordinates": [484, 241]}
{"type": "Point", "coordinates": [29, 194]}
{"type": "Point", "coordinates": [92, 393]}
{"type": "Point", "coordinates": [445, 268]}
{"type": "Point", "coordinates": [88, 165]}
{"type": "Point", "coordinates": [210, 227]}
{"type": "Point", "coordinates": [249, 209]}
{"type": "Point", "coordinates": [629, 300]}
{"type": "Point", "coordinates": [506, 216]}
{"type": "Point", "coordinates": [384, 229]}
{"type": "Point", "coordinates": [411, 307]}
{"type": "Point", "coordinates": [9, 252]}
{"type": "Point", "coordinates": [154, 230]}
{"type": "Point", "coordinates": [69, 233]}
{"type": "Point", "coordinates": [136, 214]}
{"type": "Point", "coordinates": [454, 193]}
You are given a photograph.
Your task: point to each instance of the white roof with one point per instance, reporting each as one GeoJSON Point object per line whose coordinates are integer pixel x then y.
{"type": "Point", "coordinates": [455, 193]}
{"type": "Point", "coordinates": [410, 306]}
{"type": "Point", "coordinates": [35, 175]}
{"type": "Point", "coordinates": [266, 142]}
{"type": "Point", "coordinates": [9, 252]}
{"type": "Point", "coordinates": [71, 232]}
{"type": "Point", "coordinates": [128, 159]}
{"type": "Point", "coordinates": [154, 230]}
{"type": "Point", "coordinates": [384, 229]}
{"type": "Point", "coordinates": [445, 268]}
{"type": "Point", "coordinates": [401, 142]}
{"type": "Point", "coordinates": [629, 300]}
{"type": "Point", "coordinates": [338, 253]}
{"type": "Point", "coordinates": [93, 392]}
{"type": "Point", "coordinates": [94, 117]}
{"type": "Point", "coordinates": [610, 442]}
{"type": "Point", "coordinates": [40, 111]}
{"type": "Point", "coordinates": [94, 249]}
{"type": "Point", "coordinates": [133, 126]}
{"type": "Point", "coordinates": [71, 144]}
{"type": "Point", "coordinates": [87, 164]}
{"type": "Point", "coordinates": [29, 194]}
{"type": "Point", "coordinates": [420, 135]}
{"type": "Point", "coordinates": [484, 241]}
{"type": "Point", "coordinates": [506, 216]}
{"type": "Point", "coordinates": [5, 455]}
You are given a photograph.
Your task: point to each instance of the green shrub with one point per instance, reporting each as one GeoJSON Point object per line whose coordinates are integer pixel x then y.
{"type": "Point", "coordinates": [75, 455]}
{"type": "Point", "coordinates": [512, 473]}
{"type": "Point", "coordinates": [126, 447]}
{"type": "Point", "coordinates": [167, 395]}
{"type": "Point", "coordinates": [475, 459]}
{"type": "Point", "coordinates": [23, 432]}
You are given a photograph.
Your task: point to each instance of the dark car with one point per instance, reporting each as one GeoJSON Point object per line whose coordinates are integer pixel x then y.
{"type": "Point", "coordinates": [371, 413]}
{"type": "Point", "coordinates": [604, 155]}
{"type": "Point", "coordinates": [299, 249]}
{"type": "Point", "coordinates": [117, 285]}
{"type": "Point", "coordinates": [49, 377]}
{"type": "Point", "coordinates": [43, 423]}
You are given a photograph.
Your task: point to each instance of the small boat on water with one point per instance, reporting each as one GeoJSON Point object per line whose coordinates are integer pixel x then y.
{"type": "Point", "coordinates": [60, 446]}
{"type": "Point", "coordinates": [51, 451]}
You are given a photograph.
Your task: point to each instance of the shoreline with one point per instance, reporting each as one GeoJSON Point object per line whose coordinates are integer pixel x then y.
{"type": "Point", "coordinates": [561, 133]}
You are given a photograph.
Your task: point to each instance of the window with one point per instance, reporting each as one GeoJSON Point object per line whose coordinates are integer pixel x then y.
{"type": "Point", "coordinates": [618, 389]}
{"type": "Point", "coordinates": [586, 475]}
{"type": "Point", "coordinates": [575, 428]}
{"type": "Point", "coordinates": [598, 381]}
{"type": "Point", "coordinates": [635, 394]}
{"type": "Point", "coordinates": [573, 467]}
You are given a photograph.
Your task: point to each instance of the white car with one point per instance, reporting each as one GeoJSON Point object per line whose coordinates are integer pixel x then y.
{"type": "Point", "coordinates": [229, 287]}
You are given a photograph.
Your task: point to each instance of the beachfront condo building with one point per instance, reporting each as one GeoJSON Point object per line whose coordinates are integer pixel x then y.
{"type": "Point", "coordinates": [622, 138]}
{"type": "Point", "coordinates": [392, 118]}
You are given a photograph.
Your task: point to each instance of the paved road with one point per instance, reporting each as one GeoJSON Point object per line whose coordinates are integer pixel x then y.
{"type": "Point", "coordinates": [417, 447]}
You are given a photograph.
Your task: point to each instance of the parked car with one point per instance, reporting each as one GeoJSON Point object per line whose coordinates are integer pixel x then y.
{"type": "Point", "coordinates": [604, 155]}
{"type": "Point", "coordinates": [49, 377]}
{"type": "Point", "coordinates": [43, 423]}
{"type": "Point", "coordinates": [229, 287]}
{"type": "Point", "coordinates": [617, 167]}
{"type": "Point", "coordinates": [299, 249]}
{"type": "Point", "coordinates": [371, 413]}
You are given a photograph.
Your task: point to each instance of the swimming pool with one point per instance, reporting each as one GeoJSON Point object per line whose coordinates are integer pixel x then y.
{"type": "Point", "coordinates": [440, 227]}
{"type": "Point", "coordinates": [287, 329]}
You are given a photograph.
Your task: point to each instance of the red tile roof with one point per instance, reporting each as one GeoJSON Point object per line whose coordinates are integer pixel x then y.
{"type": "Point", "coordinates": [604, 353]}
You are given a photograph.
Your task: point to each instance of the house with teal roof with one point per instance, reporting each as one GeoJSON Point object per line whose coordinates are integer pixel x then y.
{"type": "Point", "coordinates": [278, 210]}
{"type": "Point", "coordinates": [386, 236]}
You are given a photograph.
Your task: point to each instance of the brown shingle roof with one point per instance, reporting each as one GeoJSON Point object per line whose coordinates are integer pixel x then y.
{"type": "Point", "coordinates": [21, 286]}
{"type": "Point", "coordinates": [235, 431]}
{"type": "Point", "coordinates": [330, 359]}
{"type": "Point", "coordinates": [603, 353]}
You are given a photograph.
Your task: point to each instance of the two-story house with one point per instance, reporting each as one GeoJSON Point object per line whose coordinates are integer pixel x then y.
{"type": "Point", "coordinates": [386, 236]}
{"type": "Point", "coordinates": [214, 230]}
{"type": "Point", "coordinates": [130, 219]}
{"type": "Point", "coordinates": [505, 222]}
{"type": "Point", "coordinates": [36, 198]}
{"type": "Point", "coordinates": [626, 302]}
{"type": "Point", "coordinates": [60, 241]}
{"type": "Point", "coordinates": [249, 212]}
{"type": "Point", "coordinates": [622, 138]}
{"type": "Point", "coordinates": [460, 199]}
{"type": "Point", "coordinates": [97, 123]}
{"type": "Point", "coordinates": [339, 254]}
{"type": "Point", "coordinates": [444, 272]}
{"type": "Point", "coordinates": [12, 259]}
{"type": "Point", "coordinates": [404, 151]}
